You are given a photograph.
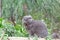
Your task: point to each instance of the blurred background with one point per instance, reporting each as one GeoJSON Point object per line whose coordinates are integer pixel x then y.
{"type": "Point", "coordinates": [12, 12]}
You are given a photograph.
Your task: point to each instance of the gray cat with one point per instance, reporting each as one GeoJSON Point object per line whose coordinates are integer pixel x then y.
{"type": "Point", "coordinates": [35, 27]}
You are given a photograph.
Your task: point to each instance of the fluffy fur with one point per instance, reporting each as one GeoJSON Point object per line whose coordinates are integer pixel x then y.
{"type": "Point", "coordinates": [35, 27]}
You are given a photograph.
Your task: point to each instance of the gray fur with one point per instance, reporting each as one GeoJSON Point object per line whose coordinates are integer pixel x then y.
{"type": "Point", "coordinates": [35, 27]}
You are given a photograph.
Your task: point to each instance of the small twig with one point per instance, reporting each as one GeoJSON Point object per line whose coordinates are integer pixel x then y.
{"type": "Point", "coordinates": [2, 35]}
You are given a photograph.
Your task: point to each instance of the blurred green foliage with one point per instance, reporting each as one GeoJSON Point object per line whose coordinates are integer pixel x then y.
{"type": "Point", "coordinates": [12, 30]}
{"type": "Point", "coordinates": [48, 10]}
